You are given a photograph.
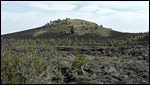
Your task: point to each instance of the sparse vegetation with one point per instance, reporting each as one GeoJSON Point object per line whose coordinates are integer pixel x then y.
{"type": "Point", "coordinates": [113, 42]}
{"type": "Point", "coordinates": [29, 67]}
{"type": "Point", "coordinates": [39, 33]}
{"type": "Point", "coordinates": [68, 25]}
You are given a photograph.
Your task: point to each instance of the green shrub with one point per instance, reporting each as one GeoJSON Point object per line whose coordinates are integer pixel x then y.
{"type": "Point", "coordinates": [79, 62]}
{"type": "Point", "coordinates": [52, 41]}
{"type": "Point", "coordinates": [113, 42]}
{"type": "Point", "coordinates": [97, 58]}
{"type": "Point", "coordinates": [144, 82]}
{"type": "Point", "coordinates": [8, 69]}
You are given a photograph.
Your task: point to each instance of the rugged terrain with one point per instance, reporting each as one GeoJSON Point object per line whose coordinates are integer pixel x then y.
{"type": "Point", "coordinates": [74, 55]}
{"type": "Point", "coordinates": [102, 64]}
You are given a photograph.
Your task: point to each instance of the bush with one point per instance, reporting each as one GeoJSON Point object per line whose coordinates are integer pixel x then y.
{"type": "Point", "coordinates": [29, 67]}
{"type": "Point", "coordinates": [97, 58]}
{"type": "Point", "coordinates": [9, 74]}
{"type": "Point", "coordinates": [52, 41]}
{"type": "Point", "coordinates": [113, 42]}
{"type": "Point", "coordinates": [79, 62]}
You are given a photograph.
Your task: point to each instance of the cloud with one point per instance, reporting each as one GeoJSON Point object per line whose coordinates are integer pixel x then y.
{"type": "Point", "coordinates": [124, 5]}
{"type": "Point", "coordinates": [51, 6]}
{"type": "Point", "coordinates": [89, 8]}
{"type": "Point", "coordinates": [106, 11]}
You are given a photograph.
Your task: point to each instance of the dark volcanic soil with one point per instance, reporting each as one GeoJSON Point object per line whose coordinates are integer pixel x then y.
{"type": "Point", "coordinates": [122, 65]}
{"type": "Point", "coordinates": [28, 34]}
{"type": "Point", "coordinates": [117, 65]}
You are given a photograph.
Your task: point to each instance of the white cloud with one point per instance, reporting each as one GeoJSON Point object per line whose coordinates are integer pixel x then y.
{"type": "Point", "coordinates": [121, 4]}
{"type": "Point", "coordinates": [89, 8]}
{"type": "Point", "coordinates": [106, 11]}
{"type": "Point", "coordinates": [63, 7]}
{"type": "Point", "coordinates": [51, 6]}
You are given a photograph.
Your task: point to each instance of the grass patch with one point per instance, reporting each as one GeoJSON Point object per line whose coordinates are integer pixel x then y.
{"type": "Point", "coordinates": [39, 33]}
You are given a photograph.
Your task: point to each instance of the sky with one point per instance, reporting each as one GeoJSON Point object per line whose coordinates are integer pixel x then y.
{"type": "Point", "coordinates": [124, 16]}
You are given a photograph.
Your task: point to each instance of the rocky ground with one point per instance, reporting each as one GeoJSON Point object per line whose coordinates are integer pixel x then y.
{"type": "Point", "coordinates": [106, 65]}
{"type": "Point", "coordinates": [117, 65]}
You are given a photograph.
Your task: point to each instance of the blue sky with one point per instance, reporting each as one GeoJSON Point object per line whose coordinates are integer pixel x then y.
{"type": "Point", "coordinates": [124, 16]}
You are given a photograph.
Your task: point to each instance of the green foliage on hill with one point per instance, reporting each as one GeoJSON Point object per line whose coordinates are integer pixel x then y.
{"type": "Point", "coordinates": [39, 33]}
{"type": "Point", "coordinates": [129, 39]}
{"type": "Point", "coordinates": [75, 26]}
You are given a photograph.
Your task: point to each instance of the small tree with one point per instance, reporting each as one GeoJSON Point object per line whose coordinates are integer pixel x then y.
{"type": "Point", "coordinates": [101, 25]}
{"type": "Point", "coordinates": [72, 30]}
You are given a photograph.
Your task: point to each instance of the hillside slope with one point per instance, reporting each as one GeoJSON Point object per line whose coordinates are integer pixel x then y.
{"type": "Point", "coordinates": [62, 29]}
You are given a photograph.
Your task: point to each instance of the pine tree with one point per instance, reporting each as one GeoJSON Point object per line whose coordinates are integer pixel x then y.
{"type": "Point", "coordinates": [72, 30]}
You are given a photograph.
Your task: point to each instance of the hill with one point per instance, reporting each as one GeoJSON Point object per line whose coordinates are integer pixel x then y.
{"type": "Point", "coordinates": [62, 29]}
{"type": "Point", "coordinates": [77, 29]}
